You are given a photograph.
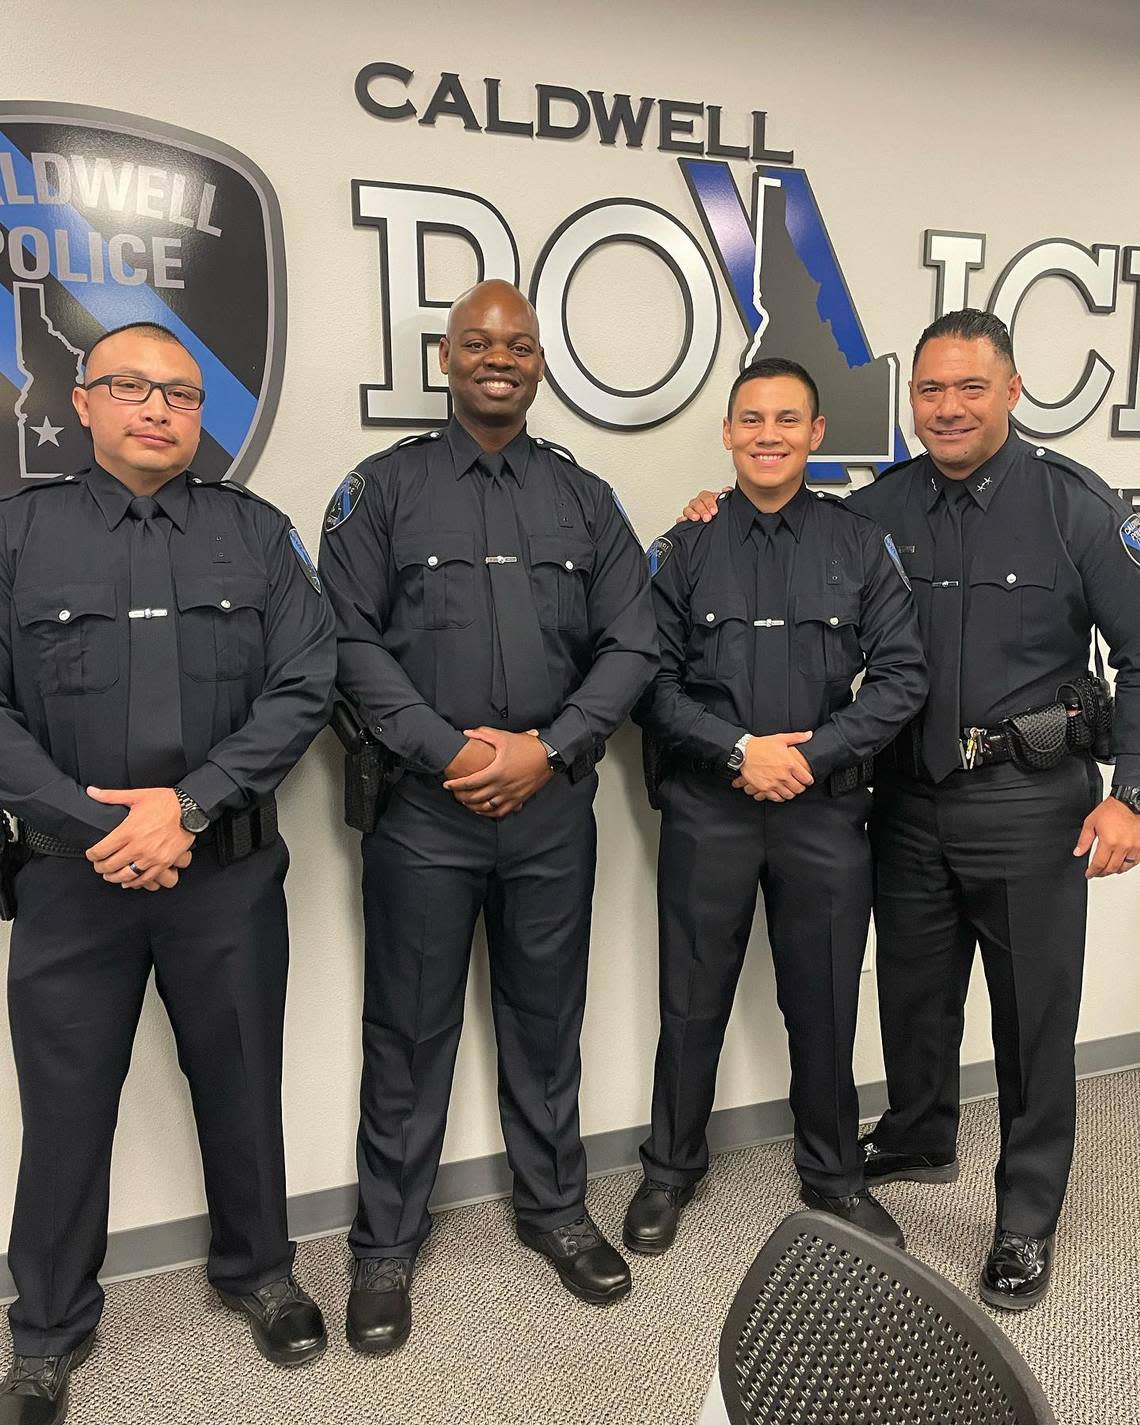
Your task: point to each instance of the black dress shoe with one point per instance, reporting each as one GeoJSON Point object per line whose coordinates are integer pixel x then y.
{"type": "Point", "coordinates": [1017, 1270]}
{"type": "Point", "coordinates": [35, 1390]}
{"type": "Point", "coordinates": [860, 1209]}
{"type": "Point", "coordinates": [588, 1265]}
{"type": "Point", "coordinates": [287, 1326]}
{"type": "Point", "coordinates": [652, 1216]}
{"type": "Point", "coordinates": [880, 1166]}
{"type": "Point", "coordinates": [379, 1307]}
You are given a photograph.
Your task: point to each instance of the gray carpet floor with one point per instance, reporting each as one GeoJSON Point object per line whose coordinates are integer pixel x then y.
{"type": "Point", "coordinates": [497, 1342]}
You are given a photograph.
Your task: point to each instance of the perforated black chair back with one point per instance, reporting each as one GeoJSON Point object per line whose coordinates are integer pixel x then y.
{"type": "Point", "coordinates": [832, 1326]}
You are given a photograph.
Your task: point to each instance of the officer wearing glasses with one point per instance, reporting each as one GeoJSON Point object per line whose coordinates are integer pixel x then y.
{"type": "Point", "coordinates": [166, 655]}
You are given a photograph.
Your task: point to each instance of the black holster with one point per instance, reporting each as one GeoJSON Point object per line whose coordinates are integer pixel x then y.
{"type": "Point", "coordinates": [656, 763]}
{"type": "Point", "coordinates": [370, 770]}
{"type": "Point", "coordinates": [13, 855]}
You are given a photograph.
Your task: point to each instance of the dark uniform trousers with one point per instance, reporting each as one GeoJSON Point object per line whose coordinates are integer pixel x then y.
{"type": "Point", "coordinates": [984, 858]}
{"type": "Point", "coordinates": [811, 859]}
{"type": "Point", "coordinates": [82, 952]}
{"type": "Point", "coordinates": [430, 867]}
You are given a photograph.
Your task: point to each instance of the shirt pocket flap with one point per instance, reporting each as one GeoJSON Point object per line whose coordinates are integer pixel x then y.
{"type": "Point", "coordinates": [433, 548]}
{"type": "Point", "coordinates": [1015, 571]}
{"type": "Point", "coordinates": [713, 607]}
{"type": "Point", "coordinates": [64, 602]}
{"type": "Point", "coordinates": [563, 550]}
{"type": "Point", "coordinates": [834, 610]}
{"type": "Point", "coordinates": [223, 592]}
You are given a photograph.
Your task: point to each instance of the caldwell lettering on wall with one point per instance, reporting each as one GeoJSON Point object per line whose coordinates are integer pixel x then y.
{"type": "Point", "coordinates": [109, 218]}
{"type": "Point", "coordinates": [769, 242]}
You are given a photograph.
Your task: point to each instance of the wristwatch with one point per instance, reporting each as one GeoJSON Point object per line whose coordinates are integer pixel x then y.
{"type": "Point", "coordinates": [553, 757]}
{"type": "Point", "coordinates": [194, 819]}
{"type": "Point", "coordinates": [736, 756]}
{"type": "Point", "coordinates": [1130, 796]}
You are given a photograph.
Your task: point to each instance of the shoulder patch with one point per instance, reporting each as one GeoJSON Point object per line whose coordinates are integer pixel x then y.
{"type": "Point", "coordinates": [345, 500]}
{"type": "Point", "coordinates": [1130, 537]}
{"type": "Point", "coordinates": [561, 450]}
{"type": "Point", "coordinates": [304, 560]}
{"type": "Point", "coordinates": [625, 518]}
{"type": "Point", "coordinates": [658, 554]}
{"type": "Point", "coordinates": [896, 558]}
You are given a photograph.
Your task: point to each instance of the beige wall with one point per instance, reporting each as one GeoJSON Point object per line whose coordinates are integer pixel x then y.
{"type": "Point", "coordinates": [1010, 119]}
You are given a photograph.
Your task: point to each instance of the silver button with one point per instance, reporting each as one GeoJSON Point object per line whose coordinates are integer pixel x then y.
{"type": "Point", "coordinates": [710, 618]}
{"type": "Point", "coordinates": [1040, 450]}
{"type": "Point", "coordinates": [833, 621]}
{"type": "Point", "coordinates": [432, 561]}
{"type": "Point", "coordinates": [819, 494]}
{"type": "Point", "coordinates": [225, 603]}
{"type": "Point", "coordinates": [69, 477]}
{"type": "Point", "coordinates": [64, 615]}
{"type": "Point", "coordinates": [569, 563]}
{"type": "Point", "coordinates": [1011, 578]}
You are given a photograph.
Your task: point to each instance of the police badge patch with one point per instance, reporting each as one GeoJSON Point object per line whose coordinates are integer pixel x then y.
{"type": "Point", "coordinates": [896, 558]}
{"type": "Point", "coordinates": [304, 560]}
{"type": "Point", "coordinates": [344, 501]}
{"type": "Point", "coordinates": [1130, 537]}
{"type": "Point", "coordinates": [658, 555]}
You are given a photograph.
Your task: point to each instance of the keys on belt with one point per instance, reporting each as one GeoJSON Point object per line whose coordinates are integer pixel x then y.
{"type": "Point", "coordinates": [982, 747]}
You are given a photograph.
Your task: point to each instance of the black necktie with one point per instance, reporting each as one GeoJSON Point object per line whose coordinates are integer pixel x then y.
{"type": "Point", "coordinates": [155, 754]}
{"type": "Point", "coordinates": [770, 703]}
{"type": "Point", "coordinates": [942, 724]}
{"type": "Point", "coordinates": [520, 685]}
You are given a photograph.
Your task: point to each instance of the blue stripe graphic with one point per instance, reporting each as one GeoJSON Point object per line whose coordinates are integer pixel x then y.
{"type": "Point", "coordinates": [730, 231]}
{"type": "Point", "coordinates": [8, 367]}
{"type": "Point", "coordinates": [230, 407]}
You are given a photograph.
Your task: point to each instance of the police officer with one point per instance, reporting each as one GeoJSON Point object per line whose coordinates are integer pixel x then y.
{"type": "Point", "coordinates": [165, 657]}
{"type": "Point", "coordinates": [494, 626]}
{"type": "Point", "coordinates": [980, 834]}
{"type": "Point", "coordinates": [765, 619]}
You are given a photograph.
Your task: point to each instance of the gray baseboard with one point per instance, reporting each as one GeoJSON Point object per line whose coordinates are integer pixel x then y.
{"type": "Point", "coordinates": [143, 1251]}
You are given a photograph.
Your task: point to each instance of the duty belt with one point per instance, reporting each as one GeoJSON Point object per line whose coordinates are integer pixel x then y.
{"type": "Point", "coordinates": [234, 836]}
{"type": "Point", "coordinates": [838, 783]}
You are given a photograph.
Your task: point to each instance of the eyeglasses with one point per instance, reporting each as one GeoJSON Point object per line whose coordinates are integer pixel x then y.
{"type": "Point", "coordinates": [178, 395]}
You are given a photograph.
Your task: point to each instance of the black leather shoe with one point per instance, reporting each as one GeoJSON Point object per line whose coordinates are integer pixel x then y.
{"type": "Point", "coordinates": [379, 1307]}
{"type": "Point", "coordinates": [35, 1390]}
{"type": "Point", "coordinates": [652, 1216]}
{"type": "Point", "coordinates": [1017, 1270]}
{"type": "Point", "coordinates": [589, 1267]}
{"type": "Point", "coordinates": [880, 1166]}
{"type": "Point", "coordinates": [286, 1323]}
{"type": "Point", "coordinates": [860, 1209]}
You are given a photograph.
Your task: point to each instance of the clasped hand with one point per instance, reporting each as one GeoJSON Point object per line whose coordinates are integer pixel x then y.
{"type": "Point", "coordinates": [494, 773]}
{"type": "Point", "coordinates": [146, 851]}
{"type": "Point", "coordinates": [774, 769]}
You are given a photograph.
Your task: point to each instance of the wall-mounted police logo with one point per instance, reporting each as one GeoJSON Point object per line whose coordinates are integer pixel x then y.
{"type": "Point", "coordinates": [896, 558]}
{"type": "Point", "coordinates": [345, 500]}
{"type": "Point", "coordinates": [1130, 537]}
{"type": "Point", "coordinates": [108, 218]}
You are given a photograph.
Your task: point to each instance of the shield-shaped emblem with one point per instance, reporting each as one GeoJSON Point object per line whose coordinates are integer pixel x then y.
{"type": "Point", "coordinates": [109, 218]}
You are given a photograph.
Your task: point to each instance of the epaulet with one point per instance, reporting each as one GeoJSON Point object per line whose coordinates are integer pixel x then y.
{"type": "Point", "coordinates": [1089, 478]}
{"type": "Point", "coordinates": [831, 499]}
{"type": "Point", "coordinates": [234, 488]}
{"type": "Point", "coordinates": [567, 455]}
{"type": "Point", "coordinates": [27, 486]}
{"type": "Point", "coordinates": [422, 437]}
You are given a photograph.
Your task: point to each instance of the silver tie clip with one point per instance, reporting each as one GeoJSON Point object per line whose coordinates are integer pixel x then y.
{"type": "Point", "coordinates": [767, 623]}
{"type": "Point", "coordinates": [501, 559]}
{"type": "Point", "coordinates": [146, 613]}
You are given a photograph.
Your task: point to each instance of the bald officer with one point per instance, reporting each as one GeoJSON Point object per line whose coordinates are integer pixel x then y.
{"type": "Point", "coordinates": [494, 626]}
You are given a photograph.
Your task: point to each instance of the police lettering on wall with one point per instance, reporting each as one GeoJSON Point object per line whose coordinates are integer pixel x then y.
{"type": "Point", "coordinates": [109, 218]}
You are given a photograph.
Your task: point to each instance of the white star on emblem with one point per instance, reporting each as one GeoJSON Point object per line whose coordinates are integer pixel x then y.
{"type": "Point", "coordinates": [48, 434]}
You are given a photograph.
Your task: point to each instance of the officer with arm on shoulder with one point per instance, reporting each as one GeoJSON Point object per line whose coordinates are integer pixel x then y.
{"type": "Point", "coordinates": [765, 619]}
{"type": "Point", "coordinates": [165, 657]}
{"type": "Point", "coordinates": [494, 627]}
{"type": "Point", "coordinates": [987, 807]}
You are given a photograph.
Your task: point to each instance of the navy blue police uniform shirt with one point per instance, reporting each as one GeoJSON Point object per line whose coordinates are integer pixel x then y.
{"type": "Point", "coordinates": [255, 634]}
{"type": "Point", "coordinates": [1049, 551]}
{"type": "Point", "coordinates": [765, 621]}
{"type": "Point", "coordinates": [402, 557]}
